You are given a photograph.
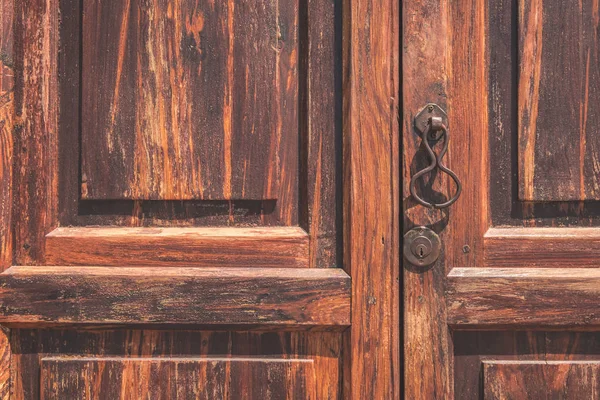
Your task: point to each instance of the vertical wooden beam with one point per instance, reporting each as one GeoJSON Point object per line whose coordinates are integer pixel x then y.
{"type": "Point", "coordinates": [372, 209]}
{"type": "Point", "coordinates": [427, 365]}
{"type": "Point", "coordinates": [445, 61]}
{"type": "Point", "coordinates": [322, 147]}
{"type": "Point", "coordinates": [6, 157]}
{"type": "Point", "coordinates": [36, 118]}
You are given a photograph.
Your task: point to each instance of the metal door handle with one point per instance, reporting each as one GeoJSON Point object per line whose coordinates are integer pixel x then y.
{"type": "Point", "coordinates": [436, 129]}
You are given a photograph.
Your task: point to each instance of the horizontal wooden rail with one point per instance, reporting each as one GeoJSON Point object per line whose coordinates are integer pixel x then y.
{"type": "Point", "coordinates": [524, 297]}
{"type": "Point", "coordinates": [266, 247]}
{"type": "Point", "coordinates": [303, 297]}
{"type": "Point", "coordinates": [542, 247]}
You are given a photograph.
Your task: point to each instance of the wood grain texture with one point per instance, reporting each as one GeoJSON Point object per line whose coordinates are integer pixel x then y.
{"type": "Point", "coordinates": [177, 378]}
{"type": "Point", "coordinates": [425, 38]}
{"type": "Point", "coordinates": [506, 207]}
{"type": "Point", "coordinates": [542, 247]}
{"type": "Point", "coordinates": [171, 247]}
{"type": "Point", "coordinates": [541, 380]}
{"type": "Point", "coordinates": [372, 163]}
{"type": "Point", "coordinates": [190, 100]}
{"type": "Point", "coordinates": [321, 132]}
{"type": "Point", "coordinates": [473, 348]}
{"type": "Point", "coordinates": [445, 62]}
{"type": "Point", "coordinates": [559, 96]}
{"type": "Point", "coordinates": [523, 297]}
{"type": "Point", "coordinates": [33, 348]}
{"type": "Point", "coordinates": [36, 119]}
{"type": "Point", "coordinates": [198, 296]}
{"type": "Point", "coordinates": [7, 126]}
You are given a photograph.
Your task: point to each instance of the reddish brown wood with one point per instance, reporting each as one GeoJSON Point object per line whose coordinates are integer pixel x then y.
{"type": "Point", "coordinates": [320, 349]}
{"type": "Point", "coordinates": [558, 98]}
{"type": "Point", "coordinates": [541, 380]}
{"type": "Point", "coordinates": [198, 247]}
{"type": "Point", "coordinates": [373, 208]}
{"type": "Point", "coordinates": [190, 100]}
{"type": "Point", "coordinates": [199, 296]}
{"type": "Point", "coordinates": [542, 247]}
{"type": "Point", "coordinates": [177, 378]}
{"type": "Point", "coordinates": [36, 118]}
{"type": "Point", "coordinates": [7, 126]}
{"type": "Point", "coordinates": [523, 296]}
{"type": "Point", "coordinates": [451, 39]}
{"type": "Point", "coordinates": [321, 173]}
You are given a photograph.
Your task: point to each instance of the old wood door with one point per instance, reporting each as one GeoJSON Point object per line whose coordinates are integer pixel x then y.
{"type": "Point", "coordinates": [510, 310]}
{"type": "Point", "coordinates": [199, 199]}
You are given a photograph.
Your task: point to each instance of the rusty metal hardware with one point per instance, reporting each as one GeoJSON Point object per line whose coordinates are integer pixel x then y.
{"type": "Point", "coordinates": [421, 246]}
{"type": "Point", "coordinates": [432, 123]}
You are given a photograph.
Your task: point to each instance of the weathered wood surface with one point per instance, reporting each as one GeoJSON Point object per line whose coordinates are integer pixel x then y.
{"type": "Point", "coordinates": [425, 39]}
{"type": "Point", "coordinates": [189, 100]}
{"type": "Point", "coordinates": [444, 62]}
{"type": "Point", "coordinates": [559, 99]}
{"type": "Point", "coordinates": [372, 165]}
{"type": "Point", "coordinates": [35, 134]}
{"type": "Point", "coordinates": [177, 378]}
{"type": "Point", "coordinates": [321, 131]}
{"type": "Point", "coordinates": [524, 297]}
{"type": "Point", "coordinates": [268, 247]}
{"type": "Point", "coordinates": [541, 380]}
{"type": "Point", "coordinates": [7, 126]}
{"type": "Point", "coordinates": [542, 247]}
{"type": "Point", "coordinates": [197, 296]}
{"type": "Point", "coordinates": [474, 348]}
{"type": "Point", "coordinates": [38, 349]}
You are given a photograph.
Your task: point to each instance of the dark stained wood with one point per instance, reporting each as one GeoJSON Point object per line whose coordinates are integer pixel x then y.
{"type": "Point", "coordinates": [372, 165]}
{"type": "Point", "coordinates": [523, 296]}
{"type": "Point", "coordinates": [425, 38]}
{"type": "Point", "coordinates": [270, 247]}
{"type": "Point", "coordinates": [200, 296]}
{"type": "Point", "coordinates": [35, 349]}
{"type": "Point", "coordinates": [559, 97]}
{"type": "Point", "coordinates": [472, 348]}
{"type": "Point", "coordinates": [190, 100]}
{"type": "Point", "coordinates": [36, 120]}
{"type": "Point", "coordinates": [444, 62]}
{"type": "Point", "coordinates": [5, 364]}
{"type": "Point", "coordinates": [7, 126]}
{"type": "Point", "coordinates": [506, 207]}
{"type": "Point", "coordinates": [177, 378]}
{"type": "Point", "coordinates": [542, 247]}
{"type": "Point", "coordinates": [321, 172]}
{"type": "Point", "coordinates": [541, 380]}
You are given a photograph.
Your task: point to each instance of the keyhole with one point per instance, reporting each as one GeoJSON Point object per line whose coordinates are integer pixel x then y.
{"type": "Point", "coordinates": [422, 251]}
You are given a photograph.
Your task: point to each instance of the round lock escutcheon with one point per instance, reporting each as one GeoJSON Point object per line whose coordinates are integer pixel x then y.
{"type": "Point", "coordinates": [421, 246]}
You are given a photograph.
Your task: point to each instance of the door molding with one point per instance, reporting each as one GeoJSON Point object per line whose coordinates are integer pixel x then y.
{"type": "Point", "coordinates": [372, 196]}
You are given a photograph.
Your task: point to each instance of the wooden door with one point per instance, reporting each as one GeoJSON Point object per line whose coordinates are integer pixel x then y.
{"type": "Point", "coordinates": [190, 196]}
{"type": "Point", "coordinates": [510, 310]}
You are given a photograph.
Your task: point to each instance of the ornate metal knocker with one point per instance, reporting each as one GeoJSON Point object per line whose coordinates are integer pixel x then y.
{"type": "Point", "coordinates": [435, 129]}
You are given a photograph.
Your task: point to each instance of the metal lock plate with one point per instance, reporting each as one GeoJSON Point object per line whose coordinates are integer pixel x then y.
{"type": "Point", "coordinates": [422, 119]}
{"type": "Point", "coordinates": [422, 246]}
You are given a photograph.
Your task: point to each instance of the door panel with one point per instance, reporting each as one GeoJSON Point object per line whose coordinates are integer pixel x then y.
{"type": "Point", "coordinates": [189, 100]}
{"type": "Point", "coordinates": [559, 97]}
{"type": "Point", "coordinates": [155, 378]}
{"type": "Point", "coordinates": [513, 297]}
{"type": "Point", "coordinates": [172, 190]}
{"type": "Point", "coordinates": [177, 167]}
{"type": "Point", "coordinates": [541, 379]}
